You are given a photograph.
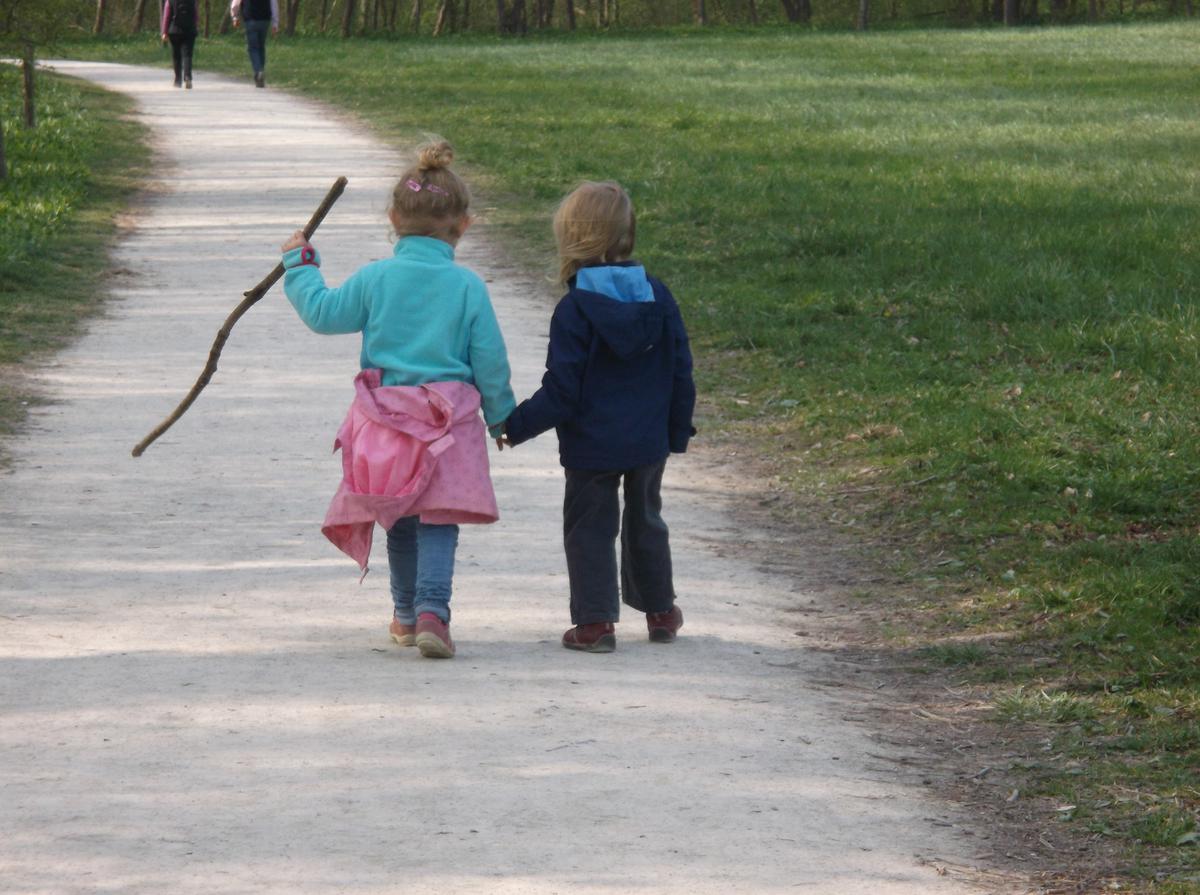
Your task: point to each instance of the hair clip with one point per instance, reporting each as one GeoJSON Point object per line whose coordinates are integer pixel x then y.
{"type": "Point", "coordinates": [417, 187]}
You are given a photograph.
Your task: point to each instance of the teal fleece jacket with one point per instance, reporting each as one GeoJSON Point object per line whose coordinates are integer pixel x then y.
{"type": "Point", "coordinates": [423, 318]}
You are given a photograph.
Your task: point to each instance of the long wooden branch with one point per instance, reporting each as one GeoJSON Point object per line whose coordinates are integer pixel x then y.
{"type": "Point", "coordinates": [223, 333]}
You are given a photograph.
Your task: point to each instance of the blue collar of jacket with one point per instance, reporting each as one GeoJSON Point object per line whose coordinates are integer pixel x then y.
{"type": "Point", "coordinates": [424, 248]}
{"type": "Point", "coordinates": [624, 281]}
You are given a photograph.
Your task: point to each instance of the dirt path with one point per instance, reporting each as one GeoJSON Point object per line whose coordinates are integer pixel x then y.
{"type": "Point", "coordinates": [198, 696]}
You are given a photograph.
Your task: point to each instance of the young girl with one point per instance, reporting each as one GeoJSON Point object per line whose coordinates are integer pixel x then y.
{"type": "Point", "coordinates": [618, 388]}
{"type": "Point", "coordinates": [414, 453]}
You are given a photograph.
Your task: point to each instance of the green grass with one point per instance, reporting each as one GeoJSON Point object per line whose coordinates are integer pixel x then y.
{"type": "Point", "coordinates": [69, 176]}
{"type": "Point", "coordinates": [944, 280]}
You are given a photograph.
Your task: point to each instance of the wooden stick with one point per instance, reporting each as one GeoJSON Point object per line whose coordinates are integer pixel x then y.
{"type": "Point", "coordinates": [223, 333]}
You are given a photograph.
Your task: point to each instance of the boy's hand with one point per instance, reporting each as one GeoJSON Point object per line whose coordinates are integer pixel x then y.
{"type": "Point", "coordinates": [502, 439]}
{"type": "Point", "coordinates": [298, 241]}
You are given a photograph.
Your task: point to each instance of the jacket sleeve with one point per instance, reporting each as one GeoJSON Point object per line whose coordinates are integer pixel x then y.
{"type": "Point", "coordinates": [489, 364]}
{"type": "Point", "coordinates": [683, 389]}
{"type": "Point", "coordinates": [557, 399]}
{"type": "Point", "coordinates": [325, 310]}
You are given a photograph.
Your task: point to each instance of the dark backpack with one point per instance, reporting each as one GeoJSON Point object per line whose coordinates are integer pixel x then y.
{"type": "Point", "coordinates": [183, 16]}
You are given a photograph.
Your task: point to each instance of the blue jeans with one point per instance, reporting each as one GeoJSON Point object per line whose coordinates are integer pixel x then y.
{"type": "Point", "coordinates": [421, 560]}
{"type": "Point", "coordinates": [256, 42]}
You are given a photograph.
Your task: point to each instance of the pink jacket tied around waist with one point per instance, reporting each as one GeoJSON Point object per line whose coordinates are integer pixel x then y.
{"type": "Point", "coordinates": [408, 451]}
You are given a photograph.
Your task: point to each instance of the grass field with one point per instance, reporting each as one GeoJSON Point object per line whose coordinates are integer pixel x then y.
{"type": "Point", "coordinates": [945, 280]}
{"type": "Point", "coordinates": [69, 176]}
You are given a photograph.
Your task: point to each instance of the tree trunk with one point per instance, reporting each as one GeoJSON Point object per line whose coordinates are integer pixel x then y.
{"type": "Point", "coordinates": [511, 19]}
{"type": "Point", "coordinates": [447, 17]}
{"type": "Point", "coordinates": [139, 17]}
{"type": "Point", "coordinates": [753, 12]}
{"type": "Point", "coordinates": [414, 20]}
{"type": "Point", "coordinates": [348, 19]}
{"type": "Point", "coordinates": [293, 15]}
{"type": "Point", "coordinates": [27, 66]}
{"type": "Point", "coordinates": [570, 14]}
{"type": "Point", "coordinates": [101, 12]}
{"type": "Point", "coordinates": [1033, 12]}
{"type": "Point", "coordinates": [864, 15]}
{"type": "Point", "coordinates": [700, 12]}
{"type": "Point", "coordinates": [798, 10]}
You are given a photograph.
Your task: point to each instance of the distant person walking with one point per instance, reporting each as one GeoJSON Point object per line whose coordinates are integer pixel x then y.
{"type": "Point", "coordinates": [256, 16]}
{"type": "Point", "coordinates": [180, 24]}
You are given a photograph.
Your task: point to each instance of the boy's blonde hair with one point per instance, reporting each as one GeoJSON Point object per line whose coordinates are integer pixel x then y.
{"type": "Point", "coordinates": [430, 199]}
{"type": "Point", "coordinates": [594, 224]}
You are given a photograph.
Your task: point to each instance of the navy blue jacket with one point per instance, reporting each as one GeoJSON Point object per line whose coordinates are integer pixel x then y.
{"type": "Point", "coordinates": [618, 385]}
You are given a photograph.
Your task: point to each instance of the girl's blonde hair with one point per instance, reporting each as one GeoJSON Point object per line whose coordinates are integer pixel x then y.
{"type": "Point", "coordinates": [430, 199]}
{"type": "Point", "coordinates": [594, 224]}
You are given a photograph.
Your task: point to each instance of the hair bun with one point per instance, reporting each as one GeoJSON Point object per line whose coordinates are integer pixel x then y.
{"type": "Point", "coordinates": [435, 156]}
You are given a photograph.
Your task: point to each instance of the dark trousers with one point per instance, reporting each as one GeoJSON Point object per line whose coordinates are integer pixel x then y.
{"type": "Point", "coordinates": [592, 519]}
{"type": "Point", "coordinates": [256, 42]}
{"type": "Point", "coordinates": [181, 55]}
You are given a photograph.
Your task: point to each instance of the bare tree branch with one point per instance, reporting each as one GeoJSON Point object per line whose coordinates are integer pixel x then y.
{"type": "Point", "coordinates": [251, 297]}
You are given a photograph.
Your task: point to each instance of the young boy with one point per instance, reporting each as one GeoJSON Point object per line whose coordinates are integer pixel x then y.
{"type": "Point", "coordinates": [618, 389]}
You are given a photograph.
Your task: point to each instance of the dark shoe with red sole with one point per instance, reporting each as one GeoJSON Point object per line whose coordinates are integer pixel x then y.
{"type": "Point", "coordinates": [663, 626]}
{"type": "Point", "coordinates": [599, 637]}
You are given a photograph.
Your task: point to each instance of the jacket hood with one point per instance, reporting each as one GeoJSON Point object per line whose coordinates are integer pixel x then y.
{"type": "Point", "coordinates": [618, 300]}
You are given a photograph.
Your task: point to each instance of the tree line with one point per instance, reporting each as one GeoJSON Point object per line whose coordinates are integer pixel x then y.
{"type": "Point", "coordinates": [29, 25]}
{"type": "Point", "coordinates": [351, 18]}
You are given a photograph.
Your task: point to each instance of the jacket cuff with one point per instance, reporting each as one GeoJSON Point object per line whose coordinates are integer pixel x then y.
{"type": "Point", "coordinates": [513, 430]}
{"type": "Point", "coordinates": [301, 256]}
{"type": "Point", "coordinates": [678, 441]}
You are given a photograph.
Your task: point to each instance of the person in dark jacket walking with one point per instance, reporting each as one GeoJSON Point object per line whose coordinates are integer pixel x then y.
{"type": "Point", "coordinates": [618, 389]}
{"type": "Point", "coordinates": [180, 25]}
{"type": "Point", "coordinates": [256, 16]}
